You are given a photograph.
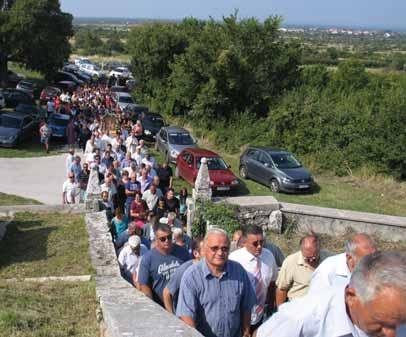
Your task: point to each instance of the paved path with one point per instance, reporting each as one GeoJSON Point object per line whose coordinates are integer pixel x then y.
{"type": "Point", "coordinates": [36, 178]}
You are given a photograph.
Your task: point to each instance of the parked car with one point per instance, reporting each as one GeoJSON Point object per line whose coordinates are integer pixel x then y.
{"type": "Point", "coordinates": [15, 128]}
{"type": "Point", "coordinates": [124, 100]}
{"type": "Point", "coordinates": [278, 169]}
{"type": "Point", "coordinates": [118, 88]}
{"type": "Point", "coordinates": [222, 179]}
{"type": "Point", "coordinates": [13, 97]}
{"type": "Point", "coordinates": [13, 78]}
{"type": "Point", "coordinates": [82, 60]}
{"type": "Point", "coordinates": [66, 86]}
{"type": "Point", "coordinates": [121, 72]}
{"type": "Point", "coordinates": [47, 93]}
{"type": "Point", "coordinates": [58, 124]}
{"type": "Point", "coordinates": [2, 100]}
{"type": "Point", "coordinates": [171, 140]}
{"type": "Point", "coordinates": [152, 123]}
{"type": "Point", "coordinates": [73, 69]}
{"type": "Point", "coordinates": [91, 69]}
{"type": "Point", "coordinates": [66, 76]}
{"type": "Point", "coordinates": [27, 87]}
{"type": "Point", "coordinates": [31, 110]}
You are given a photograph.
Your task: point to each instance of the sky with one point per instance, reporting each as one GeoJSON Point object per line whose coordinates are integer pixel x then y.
{"type": "Point", "coordinates": [389, 14]}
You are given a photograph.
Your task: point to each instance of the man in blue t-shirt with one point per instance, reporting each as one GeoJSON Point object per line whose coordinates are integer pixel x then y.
{"type": "Point", "coordinates": [132, 187]}
{"type": "Point", "coordinates": [171, 290]}
{"type": "Point", "coordinates": [158, 265]}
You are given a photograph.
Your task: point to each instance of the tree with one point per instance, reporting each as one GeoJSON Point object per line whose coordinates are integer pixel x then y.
{"type": "Point", "coordinates": [35, 33]}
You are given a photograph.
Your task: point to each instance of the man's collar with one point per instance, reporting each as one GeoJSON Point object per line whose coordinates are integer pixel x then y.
{"type": "Point", "coordinates": [300, 259]}
{"type": "Point", "coordinates": [342, 267]}
{"type": "Point", "coordinates": [207, 272]}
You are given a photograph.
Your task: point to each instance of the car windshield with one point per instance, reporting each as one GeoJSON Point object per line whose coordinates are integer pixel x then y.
{"type": "Point", "coordinates": [58, 122]}
{"type": "Point", "coordinates": [26, 85]}
{"type": "Point", "coordinates": [180, 139]}
{"type": "Point", "coordinates": [125, 99]}
{"type": "Point", "coordinates": [285, 161]}
{"type": "Point", "coordinates": [154, 121]}
{"type": "Point", "coordinates": [10, 122]}
{"type": "Point", "coordinates": [213, 163]}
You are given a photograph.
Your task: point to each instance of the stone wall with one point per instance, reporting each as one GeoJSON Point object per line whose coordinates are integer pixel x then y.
{"type": "Point", "coordinates": [125, 311]}
{"type": "Point", "coordinates": [260, 211]}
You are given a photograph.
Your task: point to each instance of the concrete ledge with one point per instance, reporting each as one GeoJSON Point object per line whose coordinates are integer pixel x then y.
{"type": "Point", "coordinates": [128, 312]}
{"type": "Point", "coordinates": [336, 222]}
{"type": "Point", "coordinates": [265, 202]}
{"type": "Point", "coordinates": [9, 210]}
{"type": "Point", "coordinates": [125, 310]}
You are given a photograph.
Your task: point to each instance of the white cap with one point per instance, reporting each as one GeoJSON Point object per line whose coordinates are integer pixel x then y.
{"type": "Point", "coordinates": [134, 241]}
{"type": "Point", "coordinates": [163, 221]}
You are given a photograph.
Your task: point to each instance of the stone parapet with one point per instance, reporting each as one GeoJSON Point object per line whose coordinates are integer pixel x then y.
{"type": "Point", "coordinates": [125, 311]}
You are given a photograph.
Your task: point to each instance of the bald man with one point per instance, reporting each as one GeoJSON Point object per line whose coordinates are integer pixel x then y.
{"type": "Point", "coordinates": [337, 269]}
{"type": "Point", "coordinates": [296, 271]}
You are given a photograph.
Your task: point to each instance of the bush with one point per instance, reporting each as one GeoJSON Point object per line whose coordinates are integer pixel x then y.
{"type": "Point", "coordinates": [220, 214]}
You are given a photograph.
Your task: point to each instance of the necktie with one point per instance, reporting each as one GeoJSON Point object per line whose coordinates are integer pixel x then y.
{"type": "Point", "coordinates": [259, 287]}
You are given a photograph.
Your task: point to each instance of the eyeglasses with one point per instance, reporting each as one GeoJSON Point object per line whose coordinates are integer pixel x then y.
{"type": "Point", "coordinates": [165, 238]}
{"type": "Point", "coordinates": [258, 243]}
{"type": "Point", "coordinates": [215, 249]}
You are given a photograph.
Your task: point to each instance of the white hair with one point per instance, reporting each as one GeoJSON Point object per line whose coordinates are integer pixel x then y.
{"type": "Point", "coordinates": [215, 231]}
{"type": "Point", "coordinates": [378, 271]}
{"type": "Point", "coordinates": [352, 244]}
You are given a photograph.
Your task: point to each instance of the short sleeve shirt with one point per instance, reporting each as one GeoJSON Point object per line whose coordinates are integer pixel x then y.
{"type": "Point", "coordinates": [174, 283]}
{"type": "Point", "coordinates": [132, 187]}
{"type": "Point", "coordinates": [295, 275]}
{"type": "Point", "coordinates": [156, 269]}
{"type": "Point", "coordinates": [164, 175]}
{"type": "Point", "coordinates": [216, 304]}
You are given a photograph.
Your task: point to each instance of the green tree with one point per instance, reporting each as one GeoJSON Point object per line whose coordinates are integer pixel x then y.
{"type": "Point", "coordinates": [34, 33]}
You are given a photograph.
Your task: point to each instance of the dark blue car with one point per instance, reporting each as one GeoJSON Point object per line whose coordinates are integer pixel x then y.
{"type": "Point", "coordinates": [58, 124]}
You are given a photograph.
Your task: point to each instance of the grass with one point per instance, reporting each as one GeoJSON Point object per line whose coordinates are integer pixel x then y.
{"type": "Point", "coordinates": [38, 245]}
{"type": "Point", "coordinates": [29, 149]}
{"type": "Point", "coordinates": [289, 242]}
{"type": "Point", "coordinates": [51, 309]}
{"type": "Point", "coordinates": [10, 199]}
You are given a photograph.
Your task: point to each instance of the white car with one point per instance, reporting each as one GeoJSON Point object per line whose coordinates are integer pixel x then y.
{"type": "Point", "coordinates": [82, 60]}
{"type": "Point", "coordinates": [91, 69]}
{"type": "Point", "coordinates": [124, 100]}
{"type": "Point", "coordinates": [121, 72]}
{"type": "Point", "coordinates": [2, 100]}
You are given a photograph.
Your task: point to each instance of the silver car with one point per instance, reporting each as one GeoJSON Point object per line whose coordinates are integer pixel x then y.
{"type": "Point", "coordinates": [171, 140]}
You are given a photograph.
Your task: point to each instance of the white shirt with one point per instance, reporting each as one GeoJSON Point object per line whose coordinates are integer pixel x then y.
{"type": "Point", "coordinates": [316, 315]}
{"type": "Point", "coordinates": [70, 189]}
{"type": "Point", "coordinates": [331, 272]}
{"type": "Point", "coordinates": [128, 261]}
{"type": "Point", "coordinates": [269, 270]}
{"type": "Point", "coordinates": [69, 161]}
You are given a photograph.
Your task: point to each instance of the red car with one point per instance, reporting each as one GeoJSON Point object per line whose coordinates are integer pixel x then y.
{"type": "Point", "coordinates": [221, 177]}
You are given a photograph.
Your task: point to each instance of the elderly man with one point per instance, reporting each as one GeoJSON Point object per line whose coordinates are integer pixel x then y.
{"type": "Point", "coordinates": [262, 270]}
{"type": "Point", "coordinates": [130, 257]}
{"type": "Point", "coordinates": [216, 296]}
{"type": "Point", "coordinates": [373, 304]}
{"type": "Point", "coordinates": [171, 291]}
{"type": "Point", "coordinates": [69, 189]}
{"type": "Point", "coordinates": [159, 264]}
{"type": "Point", "coordinates": [337, 269]}
{"type": "Point", "coordinates": [296, 271]}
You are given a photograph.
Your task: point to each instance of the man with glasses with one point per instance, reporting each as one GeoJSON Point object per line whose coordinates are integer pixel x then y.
{"type": "Point", "coordinates": [69, 190]}
{"type": "Point", "coordinates": [158, 265]}
{"type": "Point", "coordinates": [262, 271]}
{"type": "Point", "coordinates": [297, 269]}
{"type": "Point", "coordinates": [216, 296]}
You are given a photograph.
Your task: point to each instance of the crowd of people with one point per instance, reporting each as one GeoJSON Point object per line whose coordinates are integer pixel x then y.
{"type": "Point", "coordinates": [222, 287]}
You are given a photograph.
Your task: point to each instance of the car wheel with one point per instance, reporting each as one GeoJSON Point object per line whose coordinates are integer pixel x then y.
{"type": "Point", "coordinates": [243, 172]}
{"type": "Point", "coordinates": [274, 185]}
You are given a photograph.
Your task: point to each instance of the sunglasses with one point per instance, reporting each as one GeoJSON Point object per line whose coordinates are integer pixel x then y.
{"type": "Point", "coordinates": [258, 243]}
{"type": "Point", "coordinates": [71, 177]}
{"type": "Point", "coordinates": [223, 249]}
{"type": "Point", "coordinates": [165, 238]}
{"type": "Point", "coordinates": [311, 259]}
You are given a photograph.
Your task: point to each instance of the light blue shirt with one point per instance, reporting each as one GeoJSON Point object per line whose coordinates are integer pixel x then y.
{"type": "Point", "coordinates": [216, 304]}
